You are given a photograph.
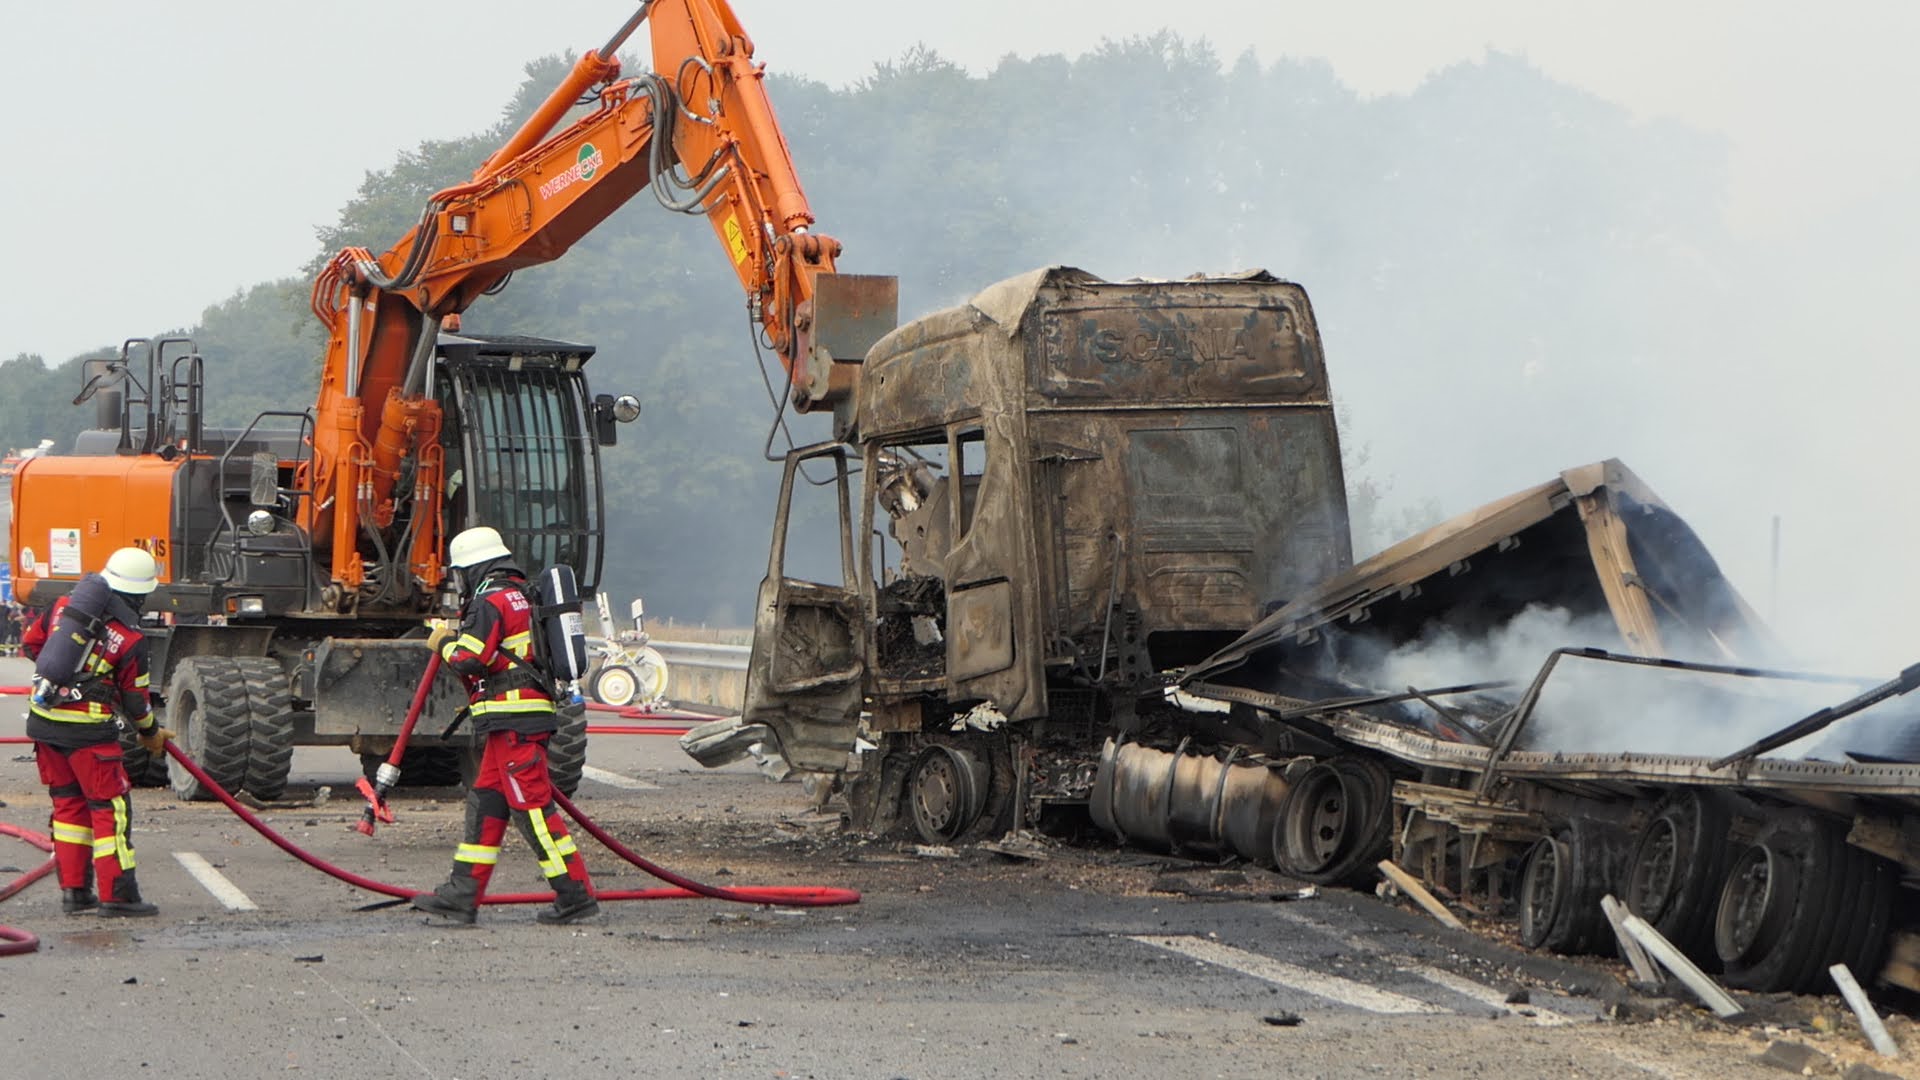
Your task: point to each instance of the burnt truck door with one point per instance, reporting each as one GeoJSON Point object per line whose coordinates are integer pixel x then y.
{"type": "Point", "coordinates": [992, 652]}
{"type": "Point", "coordinates": [806, 670]}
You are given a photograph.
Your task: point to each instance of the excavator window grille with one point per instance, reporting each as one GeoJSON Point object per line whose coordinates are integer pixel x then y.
{"type": "Point", "coordinates": [530, 466]}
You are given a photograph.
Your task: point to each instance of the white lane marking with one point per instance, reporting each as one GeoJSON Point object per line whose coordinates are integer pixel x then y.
{"type": "Point", "coordinates": [215, 882]}
{"type": "Point", "coordinates": [614, 779]}
{"type": "Point", "coordinates": [1331, 987]}
{"type": "Point", "coordinates": [1480, 992]}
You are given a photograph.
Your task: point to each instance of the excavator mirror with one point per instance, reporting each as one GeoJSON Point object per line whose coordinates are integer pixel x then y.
{"type": "Point", "coordinates": [263, 487]}
{"type": "Point", "coordinates": [609, 410]}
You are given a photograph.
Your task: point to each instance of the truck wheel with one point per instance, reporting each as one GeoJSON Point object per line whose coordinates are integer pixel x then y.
{"type": "Point", "coordinates": [1674, 874]}
{"type": "Point", "coordinates": [1566, 874]}
{"type": "Point", "coordinates": [1797, 900]}
{"type": "Point", "coordinates": [269, 696]}
{"type": "Point", "coordinates": [1335, 822]}
{"type": "Point", "coordinates": [567, 750]}
{"type": "Point", "coordinates": [616, 685]}
{"type": "Point", "coordinates": [207, 711]}
{"type": "Point", "coordinates": [946, 792]}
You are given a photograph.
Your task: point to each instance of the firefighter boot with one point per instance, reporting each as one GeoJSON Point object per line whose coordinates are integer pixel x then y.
{"type": "Point", "coordinates": [80, 901]}
{"type": "Point", "coordinates": [571, 902]}
{"type": "Point", "coordinates": [125, 900]}
{"type": "Point", "coordinates": [457, 898]}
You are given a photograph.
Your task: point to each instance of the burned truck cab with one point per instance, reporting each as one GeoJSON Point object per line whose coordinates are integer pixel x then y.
{"type": "Point", "coordinates": [1069, 486]}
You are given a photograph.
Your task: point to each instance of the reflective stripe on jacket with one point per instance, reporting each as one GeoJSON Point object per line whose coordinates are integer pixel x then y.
{"type": "Point", "coordinates": [494, 654]}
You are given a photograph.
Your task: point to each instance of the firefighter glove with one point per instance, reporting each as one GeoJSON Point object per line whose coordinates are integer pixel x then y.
{"type": "Point", "coordinates": [442, 634]}
{"type": "Point", "coordinates": [154, 739]}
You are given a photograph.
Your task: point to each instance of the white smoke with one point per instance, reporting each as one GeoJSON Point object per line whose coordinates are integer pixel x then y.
{"type": "Point", "coordinates": [1596, 706]}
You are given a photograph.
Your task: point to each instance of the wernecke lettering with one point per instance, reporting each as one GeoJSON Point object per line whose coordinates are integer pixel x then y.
{"type": "Point", "coordinates": [583, 168]}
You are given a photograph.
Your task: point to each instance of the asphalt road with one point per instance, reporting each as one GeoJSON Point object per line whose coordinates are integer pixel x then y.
{"type": "Point", "coordinates": [1077, 964]}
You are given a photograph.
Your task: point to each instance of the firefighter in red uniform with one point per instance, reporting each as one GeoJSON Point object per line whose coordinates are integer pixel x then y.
{"type": "Point", "coordinates": [77, 744]}
{"type": "Point", "coordinates": [512, 709]}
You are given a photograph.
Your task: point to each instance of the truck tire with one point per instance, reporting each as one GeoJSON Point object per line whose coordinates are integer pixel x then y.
{"type": "Point", "coordinates": [567, 750]}
{"type": "Point", "coordinates": [1798, 900]}
{"type": "Point", "coordinates": [269, 726]}
{"type": "Point", "coordinates": [1673, 876]}
{"type": "Point", "coordinates": [1335, 822]}
{"type": "Point", "coordinates": [1565, 875]}
{"type": "Point", "coordinates": [207, 711]}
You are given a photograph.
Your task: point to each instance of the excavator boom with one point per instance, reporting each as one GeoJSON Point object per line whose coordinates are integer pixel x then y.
{"type": "Point", "coordinates": [700, 132]}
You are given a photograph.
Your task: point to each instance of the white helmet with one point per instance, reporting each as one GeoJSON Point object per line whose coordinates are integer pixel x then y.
{"type": "Point", "coordinates": [474, 546]}
{"type": "Point", "coordinates": [132, 571]}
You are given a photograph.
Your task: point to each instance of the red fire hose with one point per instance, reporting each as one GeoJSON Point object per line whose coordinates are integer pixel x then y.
{"type": "Point", "coordinates": [783, 896]}
{"type": "Point", "coordinates": [14, 941]}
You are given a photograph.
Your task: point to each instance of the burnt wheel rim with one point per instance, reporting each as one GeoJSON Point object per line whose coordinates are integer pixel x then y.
{"type": "Point", "coordinates": [1317, 826]}
{"type": "Point", "coordinates": [942, 790]}
{"type": "Point", "coordinates": [1745, 904]}
{"type": "Point", "coordinates": [1655, 866]}
{"type": "Point", "coordinates": [1541, 886]}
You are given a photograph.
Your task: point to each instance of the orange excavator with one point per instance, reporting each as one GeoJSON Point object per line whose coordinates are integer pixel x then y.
{"type": "Point", "coordinates": [301, 554]}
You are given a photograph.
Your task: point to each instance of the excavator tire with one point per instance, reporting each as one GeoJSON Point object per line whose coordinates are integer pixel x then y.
{"type": "Point", "coordinates": [269, 724]}
{"type": "Point", "coordinates": [142, 768]}
{"type": "Point", "coordinates": [209, 713]}
{"type": "Point", "coordinates": [567, 749]}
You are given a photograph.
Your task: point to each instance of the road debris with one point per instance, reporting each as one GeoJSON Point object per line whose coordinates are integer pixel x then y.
{"type": "Point", "coordinates": [1420, 895]}
{"type": "Point", "coordinates": [1795, 1058]}
{"type": "Point", "coordinates": [1673, 960]}
{"type": "Point", "coordinates": [1883, 1043]}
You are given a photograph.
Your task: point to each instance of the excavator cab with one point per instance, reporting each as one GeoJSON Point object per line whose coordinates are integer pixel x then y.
{"type": "Point", "coordinates": [520, 432]}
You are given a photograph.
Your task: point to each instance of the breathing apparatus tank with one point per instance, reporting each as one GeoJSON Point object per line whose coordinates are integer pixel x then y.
{"type": "Point", "coordinates": [562, 627]}
{"type": "Point", "coordinates": [88, 608]}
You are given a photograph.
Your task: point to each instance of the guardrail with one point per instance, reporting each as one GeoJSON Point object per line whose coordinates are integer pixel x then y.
{"type": "Point", "coordinates": [704, 673]}
{"type": "Point", "coordinates": [703, 654]}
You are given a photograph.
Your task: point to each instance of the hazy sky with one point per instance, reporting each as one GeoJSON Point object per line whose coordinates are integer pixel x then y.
{"type": "Point", "coordinates": [165, 155]}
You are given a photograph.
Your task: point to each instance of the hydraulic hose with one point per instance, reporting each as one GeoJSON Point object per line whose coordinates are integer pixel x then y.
{"type": "Point", "coordinates": [15, 941]}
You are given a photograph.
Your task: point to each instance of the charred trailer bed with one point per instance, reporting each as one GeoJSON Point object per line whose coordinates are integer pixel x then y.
{"type": "Point", "coordinates": [1609, 767]}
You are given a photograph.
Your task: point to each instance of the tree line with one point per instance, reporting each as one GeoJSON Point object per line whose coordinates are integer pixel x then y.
{"type": "Point", "coordinates": [1479, 245]}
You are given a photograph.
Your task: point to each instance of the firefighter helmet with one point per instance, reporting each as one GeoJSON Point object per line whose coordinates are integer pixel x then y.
{"type": "Point", "coordinates": [131, 570]}
{"type": "Point", "coordinates": [471, 547]}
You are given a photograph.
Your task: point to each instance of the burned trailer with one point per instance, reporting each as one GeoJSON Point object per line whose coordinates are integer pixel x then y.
{"type": "Point", "coordinates": [1560, 696]}
{"type": "Point", "coordinates": [1069, 485]}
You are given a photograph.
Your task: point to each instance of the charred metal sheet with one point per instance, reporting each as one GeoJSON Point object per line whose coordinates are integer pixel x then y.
{"type": "Point", "coordinates": [1594, 542]}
